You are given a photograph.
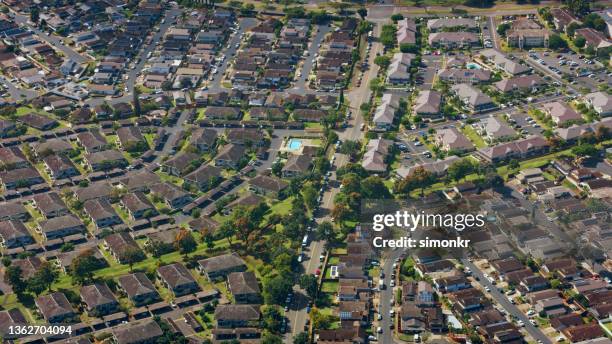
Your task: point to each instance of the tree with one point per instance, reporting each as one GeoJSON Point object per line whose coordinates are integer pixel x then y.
{"type": "Point", "coordinates": [309, 283]}
{"type": "Point", "coordinates": [571, 28]}
{"type": "Point", "coordinates": [310, 194]}
{"type": "Point", "coordinates": [325, 231]}
{"type": "Point", "coordinates": [14, 277]}
{"type": "Point", "coordinates": [43, 278]}
{"type": "Point", "coordinates": [590, 50]}
{"type": "Point", "coordinates": [374, 187]}
{"type": "Point", "coordinates": [594, 21]}
{"type": "Point", "coordinates": [580, 42]}
{"type": "Point", "coordinates": [555, 42]}
{"type": "Point", "coordinates": [397, 17]}
{"type": "Point", "coordinates": [271, 339]}
{"type": "Point", "coordinates": [272, 319]}
{"type": "Point", "coordinates": [387, 36]}
{"type": "Point", "coordinates": [460, 169]}
{"type": "Point", "coordinates": [514, 164]}
{"type": "Point", "coordinates": [409, 48]}
{"type": "Point", "coordinates": [585, 150]}
{"type": "Point", "coordinates": [321, 321]}
{"type": "Point", "coordinates": [34, 14]}
{"type": "Point", "coordinates": [185, 242]}
{"type": "Point", "coordinates": [577, 7]}
{"type": "Point", "coordinates": [382, 61]}
{"type": "Point", "coordinates": [275, 289]}
{"type": "Point", "coordinates": [351, 148]}
{"type": "Point", "coordinates": [131, 256]}
{"type": "Point", "coordinates": [301, 338]}
{"type": "Point", "coordinates": [83, 267]}
{"type": "Point", "coordinates": [363, 12]}
{"type": "Point", "coordinates": [503, 28]}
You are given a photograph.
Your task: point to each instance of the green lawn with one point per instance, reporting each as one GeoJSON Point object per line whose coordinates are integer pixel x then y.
{"type": "Point", "coordinates": [474, 136]}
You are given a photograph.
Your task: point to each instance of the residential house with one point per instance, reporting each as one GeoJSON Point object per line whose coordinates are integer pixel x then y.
{"type": "Point", "coordinates": [244, 287]}
{"type": "Point", "coordinates": [173, 196]}
{"type": "Point", "coordinates": [466, 76]}
{"type": "Point", "coordinates": [118, 244]}
{"type": "Point", "coordinates": [178, 279]}
{"type": "Point", "coordinates": [526, 83]}
{"type": "Point", "coordinates": [601, 102]}
{"type": "Point", "coordinates": [13, 233]}
{"type": "Point", "coordinates": [398, 71]}
{"type": "Point", "coordinates": [230, 156]}
{"type": "Point", "coordinates": [180, 164]}
{"type": "Point", "coordinates": [101, 213]}
{"type": "Point", "coordinates": [453, 40]}
{"type": "Point", "coordinates": [145, 332]}
{"type": "Point", "coordinates": [19, 178]}
{"type": "Point", "coordinates": [203, 139]}
{"type": "Point", "coordinates": [561, 113]}
{"type": "Point", "coordinates": [452, 139]}
{"type": "Point", "coordinates": [138, 206]}
{"type": "Point", "coordinates": [232, 316]}
{"type": "Point", "coordinates": [527, 38]}
{"type": "Point", "coordinates": [374, 159]}
{"type": "Point", "coordinates": [105, 160]}
{"type": "Point", "coordinates": [296, 165]}
{"type": "Point", "coordinates": [61, 226]}
{"type": "Point", "coordinates": [473, 98]}
{"type": "Point", "coordinates": [50, 205]}
{"type": "Point", "coordinates": [99, 299]}
{"type": "Point", "coordinates": [494, 129]}
{"type": "Point", "coordinates": [219, 267]}
{"type": "Point", "coordinates": [428, 103]}
{"type": "Point", "coordinates": [267, 185]}
{"type": "Point", "coordinates": [562, 18]}
{"type": "Point", "coordinates": [205, 177]}
{"type": "Point", "coordinates": [594, 38]}
{"type": "Point", "coordinates": [55, 308]}
{"type": "Point", "coordinates": [138, 288]}
{"type": "Point", "coordinates": [384, 115]}
{"type": "Point", "coordinates": [59, 167]}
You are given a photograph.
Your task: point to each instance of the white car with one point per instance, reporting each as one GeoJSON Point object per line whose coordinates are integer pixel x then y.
{"type": "Point", "coordinates": [521, 323]}
{"type": "Point", "coordinates": [379, 329]}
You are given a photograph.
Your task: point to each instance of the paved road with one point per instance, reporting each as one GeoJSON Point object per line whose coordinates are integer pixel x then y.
{"type": "Point", "coordinates": [244, 25]}
{"type": "Point", "coordinates": [297, 315]}
{"type": "Point", "coordinates": [300, 83]}
{"type": "Point", "coordinates": [53, 40]}
{"type": "Point", "coordinates": [500, 298]}
{"type": "Point", "coordinates": [17, 93]}
{"type": "Point", "coordinates": [387, 296]}
{"type": "Point", "coordinates": [133, 73]}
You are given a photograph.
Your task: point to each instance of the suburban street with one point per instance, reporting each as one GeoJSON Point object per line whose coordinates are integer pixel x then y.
{"type": "Point", "coordinates": [51, 39]}
{"type": "Point", "coordinates": [503, 301]}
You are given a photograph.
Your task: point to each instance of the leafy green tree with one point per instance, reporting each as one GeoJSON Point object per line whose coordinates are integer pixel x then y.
{"type": "Point", "coordinates": [275, 289]}
{"type": "Point", "coordinates": [571, 28]}
{"type": "Point", "coordinates": [374, 187]}
{"type": "Point", "coordinates": [363, 12]}
{"type": "Point", "coordinates": [301, 338]}
{"type": "Point", "coordinates": [594, 21]}
{"type": "Point", "coordinates": [272, 319]}
{"type": "Point", "coordinates": [577, 7]}
{"type": "Point", "coordinates": [555, 42]}
{"type": "Point", "coordinates": [383, 61]}
{"type": "Point", "coordinates": [409, 48]}
{"type": "Point", "coordinates": [83, 266]}
{"type": "Point", "coordinates": [387, 36]}
{"type": "Point", "coordinates": [185, 242]}
{"type": "Point", "coordinates": [580, 42]}
{"type": "Point", "coordinates": [309, 283]}
{"type": "Point", "coordinates": [14, 277]}
{"type": "Point", "coordinates": [131, 256]}
{"type": "Point", "coordinates": [460, 169]}
{"type": "Point", "coordinates": [585, 149]}
{"type": "Point", "coordinates": [310, 194]}
{"type": "Point", "coordinates": [397, 17]}
{"type": "Point", "coordinates": [503, 28]}
{"type": "Point", "coordinates": [269, 338]}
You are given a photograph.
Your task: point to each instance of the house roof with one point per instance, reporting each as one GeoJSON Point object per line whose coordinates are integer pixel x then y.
{"type": "Point", "coordinates": [231, 152]}
{"type": "Point", "coordinates": [136, 284]}
{"type": "Point", "coordinates": [204, 174]}
{"type": "Point", "coordinates": [137, 332]}
{"type": "Point", "coordinates": [136, 201]}
{"type": "Point", "coordinates": [561, 112]}
{"type": "Point", "coordinates": [53, 305]}
{"type": "Point", "coordinates": [243, 283]}
{"type": "Point", "coordinates": [453, 139]}
{"type": "Point", "coordinates": [60, 222]}
{"type": "Point", "coordinates": [268, 183]}
{"type": "Point", "coordinates": [222, 262]}
{"type": "Point", "coordinates": [49, 202]}
{"type": "Point", "coordinates": [97, 294]}
{"type": "Point", "coordinates": [428, 102]}
{"type": "Point", "coordinates": [237, 312]}
{"type": "Point", "coordinates": [175, 275]}
{"type": "Point", "coordinates": [13, 229]}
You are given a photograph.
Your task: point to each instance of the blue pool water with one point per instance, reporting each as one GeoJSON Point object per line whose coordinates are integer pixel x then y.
{"type": "Point", "coordinates": [294, 144]}
{"type": "Point", "coordinates": [472, 66]}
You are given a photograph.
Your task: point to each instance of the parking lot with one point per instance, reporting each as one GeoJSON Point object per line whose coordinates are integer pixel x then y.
{"type": "Point", "coordinates": [583, 72]}
{"type": "Point", "coordinates": [429, 67]}
{"type": "Point", "coordinates": [523, 124]}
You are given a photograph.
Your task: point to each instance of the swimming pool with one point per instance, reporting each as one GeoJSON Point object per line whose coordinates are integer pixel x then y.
{"type": "Point", "coordinates": [294, 144]}
{"type": "Point", "coordinates": [472, 65]}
